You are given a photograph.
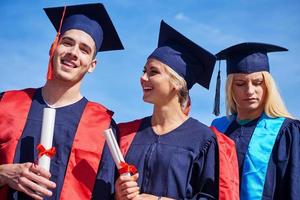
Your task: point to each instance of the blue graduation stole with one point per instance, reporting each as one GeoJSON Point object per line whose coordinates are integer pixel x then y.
{"type": "Point", "coordinates": [222, 123]}
{"type": "Point", "coordinates": [258, 156]}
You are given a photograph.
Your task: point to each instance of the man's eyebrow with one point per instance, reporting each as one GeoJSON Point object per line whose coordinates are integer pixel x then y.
{"type": "Point", "coordinates": [86, 46]}
{"type": "Point", "coordinates": [82, 44]}
{"type": "Point", "coordinates": [68, 38]}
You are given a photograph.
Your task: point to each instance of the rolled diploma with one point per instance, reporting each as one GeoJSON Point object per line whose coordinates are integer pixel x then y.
{"type": "Point", "coordinates": [114, 148]}
{"type": "Point", "coordinates": [47, 135]}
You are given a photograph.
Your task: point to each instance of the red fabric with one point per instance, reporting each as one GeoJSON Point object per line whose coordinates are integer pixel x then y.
{"type": "Point", "coordinates": [14, 109]}
{"type": "Point", "coordinates": [228, 168]}
{"type": "Point", "coordinates": [127, 133]}
{"type": "Point", "coordinates": [126, 168]}
{"type": "Point", "coordinates": [87, 146]}
{"type": "Point", "coordinates": [43, 151]}
{"type": "Point", "coordinates": [86, 153]}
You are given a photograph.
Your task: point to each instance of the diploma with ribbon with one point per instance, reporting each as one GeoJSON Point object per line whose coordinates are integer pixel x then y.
{"type": "Point", "coordinates": [45, 149]}
{"type": "Point", "coordinates": [123, 167]}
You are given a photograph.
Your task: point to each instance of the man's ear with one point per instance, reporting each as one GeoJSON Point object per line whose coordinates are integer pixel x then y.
{"type": "Point", "coordinates": [92, 66]}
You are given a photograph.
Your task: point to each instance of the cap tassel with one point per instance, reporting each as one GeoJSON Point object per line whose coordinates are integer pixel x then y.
{"type": "Point", "coordinates": [53, 47]}
{"type": "Point", "coordinates": [51, 52]}
{"type": "Point", "coordinates": [216, 111]}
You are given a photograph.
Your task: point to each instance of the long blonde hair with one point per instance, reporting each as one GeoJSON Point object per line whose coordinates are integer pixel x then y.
{"type": "Point", "coordinates": [273, 105]}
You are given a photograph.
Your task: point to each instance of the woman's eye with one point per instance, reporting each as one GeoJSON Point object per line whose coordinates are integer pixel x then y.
{"type": "Point", "coordinates": [258, 83]}
{"type": "Point", "coordinates": [239, 83]}
{"type": "Point", "coordinates": [152, 73]}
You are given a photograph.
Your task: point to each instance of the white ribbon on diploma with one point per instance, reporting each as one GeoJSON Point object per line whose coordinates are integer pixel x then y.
{"type": "Point", "coordinates": [114, 148]}
{"type": "Point", "coordinates": [47, 136]}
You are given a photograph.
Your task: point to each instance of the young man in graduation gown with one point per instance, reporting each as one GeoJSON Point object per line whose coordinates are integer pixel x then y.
{"type": "Point", "coordinates": [82, 167]}
{"type": "Point", "coordinates": [176, 156]}
{"type": "Point", "coordinates": [266, 137]}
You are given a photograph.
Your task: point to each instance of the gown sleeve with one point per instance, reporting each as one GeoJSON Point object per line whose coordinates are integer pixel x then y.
{"type": "Point", "coordinates": [204, 178]}
{"type": "Point", "coordinates": [107, 173]}
{"type": "Point", "coordinates": [288, 162]}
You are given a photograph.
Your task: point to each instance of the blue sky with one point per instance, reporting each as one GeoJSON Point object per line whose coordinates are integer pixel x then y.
{"type": "Point", "coordinates": [26, 35]}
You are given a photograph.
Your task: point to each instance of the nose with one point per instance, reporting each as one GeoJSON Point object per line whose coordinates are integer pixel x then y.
{"type": "Point", "coordinates": [144, 77]}
{"type": "Point", "coordinates": [73, 52]}
{"type": "Point", "coordinates": [250, 89]}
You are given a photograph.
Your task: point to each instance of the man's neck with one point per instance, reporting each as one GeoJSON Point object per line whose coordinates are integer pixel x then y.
{"type": "Point", "coordinates": [58, 95]}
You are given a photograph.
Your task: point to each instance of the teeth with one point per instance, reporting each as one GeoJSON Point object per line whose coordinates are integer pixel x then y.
{"type": "Point", "coordinates": [69, 64]}
{"type": "Point", "coordinates": [147, 88]}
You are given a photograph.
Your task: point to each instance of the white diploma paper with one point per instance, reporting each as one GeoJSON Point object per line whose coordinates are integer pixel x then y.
{"type": "Point", "coordinates": [114, 148]}
{"type": "Point", "coordinates": [47, 136]}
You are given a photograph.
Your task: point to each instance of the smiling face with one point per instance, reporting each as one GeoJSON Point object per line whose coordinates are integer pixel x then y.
{"type": "Point", "coordinates": [74, 56]}
{"type": "Point", "coordinates": [156, 84]}
{"type": "Point", "coordinates": [249, 92]}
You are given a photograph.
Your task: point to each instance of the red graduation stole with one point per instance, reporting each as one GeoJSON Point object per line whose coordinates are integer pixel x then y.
{"type": "Point", "coordinates": [14, 108]}
{"type": "Point", "coordinates": [86, 150]}
{"type": "Point", "coordinates": [127, 132]}
{"type": "Point", "coordinates": [228, 164]}
{"type": "Point", "coordinates": [228, 167]}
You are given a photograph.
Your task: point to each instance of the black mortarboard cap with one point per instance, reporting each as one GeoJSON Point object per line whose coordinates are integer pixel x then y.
{"type": "Point", "coordinates": [248, 57]}
{"type": "Point", "coordinates": [90, 18]}
{"type": "Point", "coordinates": [194, 63]}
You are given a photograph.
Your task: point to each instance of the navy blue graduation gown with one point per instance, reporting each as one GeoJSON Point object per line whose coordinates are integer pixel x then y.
{"type": "Point", "coordinates": [182, 164]}
{"type": "Point", "coordinates": [283, 172]}
{"type": "Point", "coordinates": [66, 122]}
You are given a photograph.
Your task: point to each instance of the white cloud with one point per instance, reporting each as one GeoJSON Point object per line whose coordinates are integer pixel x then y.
{"type": "Point", "coordinates": [181, 16]}
{"type": "Point", "coordinates": [207, 32]}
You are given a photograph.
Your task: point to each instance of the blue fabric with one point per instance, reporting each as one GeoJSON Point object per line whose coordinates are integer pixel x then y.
{"type": "Point", "coordinates": [248, 57]}
{"type": "Point", "coordinates": [172, 58]}
{"type": "Point", "coordinates": [91, 18]}
{"type": "Point", "coordinates": [181, 164]}
{"type": "Point", "coordinates": [222, 123]}
{"type": "Point", "coordinates": [66, 122]}
{"type": "Point", "coordinates": [82, 22]}
{"type": "Point", "coordinates": [283, 172]}
{"type": "Point", "coordinates": [192, 62]}
{"type": "Point", "coordinates": [255, 62]}
{"type": "Point", "coordinates": [258, 156]}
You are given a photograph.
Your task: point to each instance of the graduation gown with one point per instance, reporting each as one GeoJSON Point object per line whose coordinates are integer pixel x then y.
{"type": "Point", "coordinates": [67, 123]}
{"type": "Point", "coordinates": [182, 164]}
{"type": "Point", "coordinates": [282, 178]}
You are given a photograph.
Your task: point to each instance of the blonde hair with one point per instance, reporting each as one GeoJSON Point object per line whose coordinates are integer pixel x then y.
{"type": "Point", "coordinates": [180, 84]}
{"type": "Point", "coordinates": [273, 105]}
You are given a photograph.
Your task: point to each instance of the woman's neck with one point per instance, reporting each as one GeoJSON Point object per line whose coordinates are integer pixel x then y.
{"type": "Point", "coordinates": [58, 95]}
{"type": "Point", "coordinates": [166, 118]}
{"type": "Point", "coordinates": [249, 115]}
